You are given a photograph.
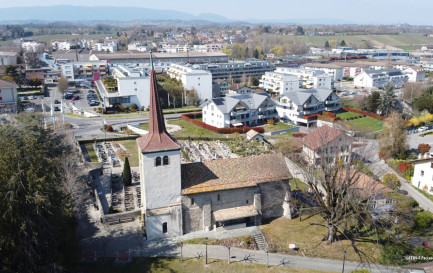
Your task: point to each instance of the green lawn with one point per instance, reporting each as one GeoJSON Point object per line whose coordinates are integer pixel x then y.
{"type": "Point", "coordinates": [91, 152]}
{"type": "Point", "coordinates": [189, 129]}
{"type": "Point", "coordinates": [368, 124]}
{"type": "Point", "coordinates": [308, 237]}
{"type": "Point", "coordinates": [189, 265]}
{"type": "Point", "coordinates": [346, 115]}
{"type": "Point", "coordinates": [132, 149]}
{"type": "Point", "coordinates": [277, 126]}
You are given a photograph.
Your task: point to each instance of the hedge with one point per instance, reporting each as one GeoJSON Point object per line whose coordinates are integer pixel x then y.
{"type": "Point", "coordinates": [376, 116]}
{"type": "Point", "coordinates": [191, 117]}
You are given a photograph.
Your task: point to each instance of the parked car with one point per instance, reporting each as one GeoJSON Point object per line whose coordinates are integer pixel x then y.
{"type": "Point", "coordinates": [68, 96]}
{"type": "Point", "coordinates": [56, 101]}
{"type": "Point", "coordinates": [93, 103]}
{"type": "Point", "coordinates": [75, 97]}
{"type": "Point", "coordinates": [92, 92]}
{"type": "Point", "coordinates": [56, 108]}
{"type": "Point", "coordinates": [31, 98]}
{"type": "Point", "coordinates": [30, 110]}
{"type": "Point", "coordinates": [76, 91]}
{"type": "Point", "coordinates": [422, 129]}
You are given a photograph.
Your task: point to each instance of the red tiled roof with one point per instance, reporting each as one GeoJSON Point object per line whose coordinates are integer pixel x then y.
{"type": "Point", "coordinates": [321, 137]}
{"type": "Point", "coordinates": [233, 173]}
{"type": "Point", "coordinates": [5, 83]}
{"type": "Point", "coordinates": [158, 138]}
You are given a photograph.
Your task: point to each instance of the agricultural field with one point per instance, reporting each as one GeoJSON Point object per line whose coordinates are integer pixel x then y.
{"type": "Point", "coordinates": [412, 40]}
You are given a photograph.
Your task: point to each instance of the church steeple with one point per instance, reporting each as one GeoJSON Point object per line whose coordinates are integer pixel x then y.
{"type": "Point", "coordinates": [158, 138]}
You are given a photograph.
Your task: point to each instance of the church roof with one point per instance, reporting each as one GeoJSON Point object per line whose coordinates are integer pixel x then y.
{"type": "Point", "coordinates": [233, 173]}
{"type": "Point", "coordinates": [157, 138]}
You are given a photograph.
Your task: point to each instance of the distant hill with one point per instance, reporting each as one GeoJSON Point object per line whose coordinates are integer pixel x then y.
{"type": "Point", "coordinates": [99, 13]}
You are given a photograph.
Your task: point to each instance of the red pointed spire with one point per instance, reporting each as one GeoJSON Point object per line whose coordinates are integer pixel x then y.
{"type": "Point", "coordinates": [158, 138]}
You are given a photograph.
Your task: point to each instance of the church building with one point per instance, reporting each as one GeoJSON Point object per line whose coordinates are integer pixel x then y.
{"type": "Point", "coordinates": [180, 198]}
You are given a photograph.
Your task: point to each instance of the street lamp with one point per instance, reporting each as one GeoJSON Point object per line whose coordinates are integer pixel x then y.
{"type": "Point", "coordinates": [206, 248]}
{"type": "Point", "coordinates": [267, 258]}
{"type": "Point", "coordinates": [181, 254]}
{"type": "Point", "coordinates": [344, 260]}
{"type": "Point", "coordinates": [228, 246]}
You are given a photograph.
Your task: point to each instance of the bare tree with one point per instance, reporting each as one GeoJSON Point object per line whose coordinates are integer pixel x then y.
{"type": "Point", "coordinates": [62, 85]}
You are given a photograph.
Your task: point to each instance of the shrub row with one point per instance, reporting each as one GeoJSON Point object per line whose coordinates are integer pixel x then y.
{"type": "Point", "coordinates": [426, 134]}
{"type": "Point", "coordinates": [356, 117]}
{"type": "Point", "coordinates": [376, 116]}
{"type": "Point", "coordinates": [191, 117]}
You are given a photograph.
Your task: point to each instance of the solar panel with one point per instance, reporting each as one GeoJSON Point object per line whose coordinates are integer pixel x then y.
{"type": "Point", "coordinates": [218, 101]}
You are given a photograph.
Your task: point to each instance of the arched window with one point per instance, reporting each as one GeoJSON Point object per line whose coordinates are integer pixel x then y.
{"type": "Point", "coordinates": [164, 227]}
{"type": "Point", "coordinates": [157, 161]}
{"type": "Point", "coordinates": [165, 160]}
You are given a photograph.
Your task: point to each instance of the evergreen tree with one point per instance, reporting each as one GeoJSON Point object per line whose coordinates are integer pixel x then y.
{"type": "Point", "coordinates": [343, 43]}
{"type": "Point", "coordinates": [327, 44]}
{"type": "Point", "coordinates": [389, 100]}
{"type": "Point", "coordinates": [127, 177]}
{"type": "Point", "coordinates": [374, 102]}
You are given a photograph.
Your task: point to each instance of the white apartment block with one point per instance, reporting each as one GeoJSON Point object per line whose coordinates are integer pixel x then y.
{"type": "Point", "coordinates": [423, 173]}
{"type": "Point", "coordinates": [193, 79]}
{"type": "Point", "coordinates": [108, 47]}
{"type": "Point", "coordinates": [379, 78]}
{"type": "Point", "coordinates": [138, 47]}
{"type": "Point", "coordinates": [174, 48]}
{"type": "Point", "coordinates": [414, 73]}
{"type": "Point", "coordinates": [296, 105]}
{"type": "Point", "coordinates": [62, 44]}
{"type": "Point", "coordinates": [79, 71]}
{"type": "Point", "coordinates": [8, 58]}
{"type": "Point", "coordinates": [238, 110]}
{"type": "Point", "coordinates": [278, 82]}
{"type": "Point", "coordinates": [309, 78]}
{"type": "Point", "coordinates": [335, 70]}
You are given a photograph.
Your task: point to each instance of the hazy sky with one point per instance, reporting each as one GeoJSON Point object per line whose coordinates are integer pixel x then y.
{"type": "Point", "coordinates": [357, 11]}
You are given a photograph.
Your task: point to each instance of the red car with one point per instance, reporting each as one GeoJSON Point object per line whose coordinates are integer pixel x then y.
{"type": "Point", "coordinates": [75, 97]}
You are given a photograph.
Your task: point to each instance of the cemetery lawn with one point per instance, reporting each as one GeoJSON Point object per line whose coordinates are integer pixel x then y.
{"type": "Point", "coordinates": [187, 266]}
{"type": "Point", "coordinates": [131, 147]}
{"type": "Point", "coordinates": [91, 152]}
{"type": "Point", "coordinates": [308, 237]}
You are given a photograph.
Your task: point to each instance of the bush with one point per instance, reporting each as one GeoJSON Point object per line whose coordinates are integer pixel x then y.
{"type": "Point", "coordinates": [109, 128]}
{"type": "Point", "coordinates": [391, 181]}
{"type": "Point", "coordinates": [393, 253]}
{"type": "Point", "coordinates": [423, 148]}
{"type": "Point", "coordinates": [423, 219]}
{"type": "Point", "coordinates": [133, 106]}
{"type": "Point", "coordinates": [271, 121]}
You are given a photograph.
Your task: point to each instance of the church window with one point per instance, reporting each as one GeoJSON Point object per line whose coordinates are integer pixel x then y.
{"type": "Point", "coordinates": [218, 197]}
{"type": "Point", "coordinates": [164, 227]}
{"type": "Point", "coordinates": [246, 202]}
{"type": "Point", "coordinates": [157, 161]}
{"type": "Point", "coordinates": [192, 201]}
{"type": "Point", "coordinates": [165, 160]}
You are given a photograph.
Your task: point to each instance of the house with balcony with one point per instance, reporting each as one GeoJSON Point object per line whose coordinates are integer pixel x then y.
{"type": "Point", "coordinates": [238, 89]}
{"type": "Point", "coordinates": [278, 82]}
{"type": "Point", "coordinates": [239, 110]}
{"type": "Point", "coordinates": [379, 78]}
{"type": "Point", "coordinates": [297, 106]}
{"type": "Point", "coordinates": [309, 78]}
{"type": "Point", "coordinates": [79, 71]}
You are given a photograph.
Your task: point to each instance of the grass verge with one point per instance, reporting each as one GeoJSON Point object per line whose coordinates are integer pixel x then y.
{"type": "Point", "coordinates": [427, 195]}
{"type": "Point", "coordinates": [131, 148]}
{"type": "Point", "coordinates": [91, 152]}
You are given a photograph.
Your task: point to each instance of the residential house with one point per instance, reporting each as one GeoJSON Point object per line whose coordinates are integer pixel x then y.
{"type": "Point", "coordinates": [333, 69]}
{"type": "Point", "coordinates": [239, 89]}
{"type": "Point", "coordinates": [8, 96]}
{"type": "Point", "coordinates": [254, 135]}
{"type": "Point", "coordinates": [220, 88]}
{"type": "Point", "coordinates": [380, 78]}
{"type": "Point", "coordinates": [8, 58]}
{"type": "Point", "coordinates": [423, 173]}
{"type": "Point", "coordinates": [298, 105]}
{"type": "Point", "coordinates": [327, 144]}
{"type": "Point", "coordinates": [309, 78]}
{"type": "Point", "coordinates": [238, 110]}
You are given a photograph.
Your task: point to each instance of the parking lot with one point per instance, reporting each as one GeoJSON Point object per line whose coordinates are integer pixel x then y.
{"type": "Point", "coordinates": [414, 138]}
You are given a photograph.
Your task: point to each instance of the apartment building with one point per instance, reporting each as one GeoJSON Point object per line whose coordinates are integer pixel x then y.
{"type": "Point", "coordinates": [79, 71]}
{"type": "Point", "coordinates": [8, 96]}
{"type": "Point", "coordinates": [297, 105]}
{"type": "Point", "coordinates": [238, 89]}
{"type": "Point", "coordinates": [238, 110]}
{"type": "Point", "coordinates": [143, 57]}
{"type": "Point", "coordinates": [379, 78]}
{"type": "Point", "coordinates": [309, 78]}
{"type": "Point", "coordinates": [278, 82]}
{"type": "Point", "coordinates": [8, 58]}
{"type": "Point", "coordinates": [238, 70]}
{"type": "Point", "coordinates": [332, 69]}
{"type": "Point", "coordinates": [62, 44]}
{"type": "Point", "coordinates": [193, 79]}
{"type": "Point", "coordinates": [107, 47]}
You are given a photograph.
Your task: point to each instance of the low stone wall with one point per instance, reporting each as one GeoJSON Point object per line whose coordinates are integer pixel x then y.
{"type": "Point", "coordinates": [121, 217]}
{"type": "Point", "coordinates": [294, 129]}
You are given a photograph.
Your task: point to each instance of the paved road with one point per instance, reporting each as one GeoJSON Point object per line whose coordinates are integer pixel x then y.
{"type": "Point", "coordinates": [380, 168]}
{"type": "Point", "coordinates": [257, 256]}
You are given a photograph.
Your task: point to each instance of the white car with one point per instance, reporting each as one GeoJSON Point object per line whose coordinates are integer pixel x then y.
{"type": "Point", "coordinates": [30, 110]}
{"type": "Point", "coordinates": [422, 129]}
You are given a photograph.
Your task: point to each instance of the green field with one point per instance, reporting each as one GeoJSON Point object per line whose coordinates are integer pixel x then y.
{"type": "Point", "coordinates": [91, 152]}
{"type": "Point", "coordinates": [414, 40]}
{"type": "Point", "coordinates": [277, 126]}
{"type": "Point", "coordinates": [346, 115]}
{"type": "Point", "coordinates": [189, 129]}
{"type": "Point", "coordinates": [366, 124]}
{"type": "Point", "coordinates": [131, 148]}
